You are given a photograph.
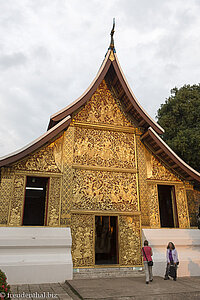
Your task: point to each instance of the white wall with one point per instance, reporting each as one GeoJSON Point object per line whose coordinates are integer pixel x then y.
{"type": "Point", "coordinates": [187, 243]}
{"type": "Point", "coordinates": [36, 254]}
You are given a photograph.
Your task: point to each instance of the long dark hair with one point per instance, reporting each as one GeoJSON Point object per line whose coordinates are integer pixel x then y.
{"type": "Point", "coordinates": [173, 247]}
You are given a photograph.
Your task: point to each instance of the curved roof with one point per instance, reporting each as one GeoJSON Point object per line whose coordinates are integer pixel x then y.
{"type": "Point", "coordinates": [111, 69]}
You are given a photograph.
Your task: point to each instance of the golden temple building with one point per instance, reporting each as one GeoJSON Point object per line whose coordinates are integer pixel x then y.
{"type": "Point", "coordinates": [103, 170]}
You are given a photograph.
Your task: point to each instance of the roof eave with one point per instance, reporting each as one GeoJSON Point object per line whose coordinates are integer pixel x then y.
{"type": "Point", "coordinates": [133, 98]}
{"type": "Point", "coordinates": [36, 144]}
{"type": "Point", "coordinates": [171, 154]}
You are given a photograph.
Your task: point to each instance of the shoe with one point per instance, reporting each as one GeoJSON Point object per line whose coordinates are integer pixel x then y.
{"type": "Point", "coordinates": [147, 282]}
{"type": "Point", "coordinates": [151, 280]}
{"type": "Point", "coordinates": [174, 279]}
{"type": "Point", "coordinates": [166, 278]}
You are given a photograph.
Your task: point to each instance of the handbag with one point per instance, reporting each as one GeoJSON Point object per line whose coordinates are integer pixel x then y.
{"type": "Point", "coordinates": [172, 271]}
{"type": "Point", "coordinates": [150, 263]}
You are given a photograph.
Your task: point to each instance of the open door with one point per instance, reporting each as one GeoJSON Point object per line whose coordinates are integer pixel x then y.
{"type": "Point", "coordinates": [167, 206]}
{"type": "Point", "coordinates": [106, 242]}
{"type": "Point", "coordinates": [35, 201]}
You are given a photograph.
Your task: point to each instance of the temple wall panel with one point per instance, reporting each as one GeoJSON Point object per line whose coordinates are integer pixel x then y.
{"type": "Point", "coordinates": [101, 190]}
{"type": "Point", "coordinates": [17, 200]}
{"type": "Point", "coordinates": [106, 148]}
{"type": "Point", "coordinates": [6, 190]}
{"type": "Point", "coordinates": [154, 213]}
{"type": "Point", "coordinates": [182, 208]}
{"type": "Point", "coordinates": [83, 239]}
{"type": "Point", "coordinates": [129, 240]}
{"type": "Point", "coordinates": [193, 200]}
{"type": "Point", "coordinates": [54, 201]}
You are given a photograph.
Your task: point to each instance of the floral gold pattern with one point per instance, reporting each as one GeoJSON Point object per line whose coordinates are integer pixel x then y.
{"type": "Point", "coordinates": [47, 159]}
{"type": "Point", "coordinates": [102, 109]}
{"type": "Point", "coordinates": [17, 201]}
{"type": "Point", "coordinates": [160, 172]}
{"type": "Point", "coordinates": [182, 207]}
{"type": "Point", "coordinates": [96, 190]}
{"type": "Point", "coordinates": [130, 242]}
{"type": "Point", "coordinates": [5, 195]}
{"type": "Point", "coordinates": [82, 227]}
{"type": "Point", "coordinates": [154, 213]}
{"type": "Point", "coordinates": [54, 201]}
{"type": "Point", "coordinates": [104, 148]}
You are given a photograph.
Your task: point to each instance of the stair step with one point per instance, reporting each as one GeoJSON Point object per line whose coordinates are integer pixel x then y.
{"type": "Point", "coordinates": [82, 273]}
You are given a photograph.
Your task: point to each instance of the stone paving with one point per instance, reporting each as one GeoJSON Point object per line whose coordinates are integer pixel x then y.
{"type": "Point", "coordinates": [50, 291]}
{"type": "Point", "coordinates": [135, 288]}
{"type": "Point", "coordinates": [130, 288]}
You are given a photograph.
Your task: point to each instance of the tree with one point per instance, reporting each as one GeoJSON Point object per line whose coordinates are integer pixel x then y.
{"type": "Point", "coordinates": [180, 118]}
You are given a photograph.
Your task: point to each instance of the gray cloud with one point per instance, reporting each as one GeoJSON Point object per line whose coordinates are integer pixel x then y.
{"type": "Point", "coordinates": [50, 53]}
{"type": "Point", "coordinates": [12, 60]}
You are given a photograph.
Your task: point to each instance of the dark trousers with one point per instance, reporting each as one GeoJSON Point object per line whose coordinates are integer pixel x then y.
{"type": "Point", "coordinates": [167, 270]}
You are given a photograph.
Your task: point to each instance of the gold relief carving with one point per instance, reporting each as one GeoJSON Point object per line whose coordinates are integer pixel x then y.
{"type": "Point", "coordinates": [6, 187]}
{"type": "Point", "coordinates": [17, 201]}
{"type": "Point", "coordinates": [160, 172]}
{"type": "Point", "coordinates": [142, 167]}
{"type": "Point", "coordinates": [104, 148]}
{"type": "Point", "coordinates": [67, 182]}
{"type": "Point", "coordinates": [54, 202]}
{"type": "Point", "coordinates": [154, 213]}
{"type": "Point", "coordinates": [97, 190]}
{"type": "Point", "coordinates": [182, 208]}
{"type": "Point", "coordinates": [129, 240]}
{"type": "Point", "coordinates": [47, 159]}
{"type": "Point", "coordinates": [102, 109]}
{"type": "Point", "coordinates": [192, 207]}
{"type": "Point", "coordinates": [82, 227]}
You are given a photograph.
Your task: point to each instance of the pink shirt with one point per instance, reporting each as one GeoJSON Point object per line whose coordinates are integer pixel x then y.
{"type": "Point", "coordinates": [147, 250]}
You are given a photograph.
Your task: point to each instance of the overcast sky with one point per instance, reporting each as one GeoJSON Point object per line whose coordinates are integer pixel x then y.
{"type": "Point", "coordinates": [50, 51]}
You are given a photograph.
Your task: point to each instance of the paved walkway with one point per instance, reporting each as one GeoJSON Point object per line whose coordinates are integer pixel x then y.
{"type": "Point", "coordinates": [50, 291]}
{"type": "Point", "coordinates": [136, 288]}
{"type": "Point", "coordinates": [131, 288]}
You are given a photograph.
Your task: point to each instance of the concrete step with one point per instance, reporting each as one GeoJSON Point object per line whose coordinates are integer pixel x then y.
{"type": "Point", "coordinates": [114, 272]}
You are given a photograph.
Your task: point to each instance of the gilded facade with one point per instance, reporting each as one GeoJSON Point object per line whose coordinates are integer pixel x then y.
{"type": "Point", "coordinates": [98, 166]}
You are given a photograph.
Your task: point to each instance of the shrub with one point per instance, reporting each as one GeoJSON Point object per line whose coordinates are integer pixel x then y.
{"type": "Point", "coordinates": [4, 286]}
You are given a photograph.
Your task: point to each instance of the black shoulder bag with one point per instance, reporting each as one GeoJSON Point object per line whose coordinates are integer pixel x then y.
{"type": "Point", "coordinates": [150, 263]}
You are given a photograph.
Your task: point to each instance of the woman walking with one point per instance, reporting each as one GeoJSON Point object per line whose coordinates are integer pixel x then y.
{"type": "Point", "coordinates": [172, 261]}
{"type": "Point", "coordinates": [147, 260]}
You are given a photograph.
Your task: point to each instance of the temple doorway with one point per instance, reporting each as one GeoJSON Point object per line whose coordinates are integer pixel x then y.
{"type": "Point", "coordinates": [167, 206]}
{"type": "Point", "coordinates": [35, 200]}
{"type": "Point", "coordinates": [106, 241]}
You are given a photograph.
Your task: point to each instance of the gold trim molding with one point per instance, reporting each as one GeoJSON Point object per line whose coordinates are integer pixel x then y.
{"type": "Point", "coordinates": [107, 127]}
{"type": "Point", "coordinates": [39, 174]}
{"type": "Point", "coordinates": [103, 169]}
{"type": "Point", "coordinates": [164, 182]}
{"type": "Point", "coordinates": [106, 213]}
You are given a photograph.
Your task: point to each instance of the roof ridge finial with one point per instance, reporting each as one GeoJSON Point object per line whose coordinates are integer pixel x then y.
{"type": "Point", "coordinates": [112, 46]}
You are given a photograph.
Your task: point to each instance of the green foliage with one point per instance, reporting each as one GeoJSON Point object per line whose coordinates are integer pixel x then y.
{"type": "Point", "coordinates": [180, 118]}
{"type": "Point", "coordinates": [4, 287]}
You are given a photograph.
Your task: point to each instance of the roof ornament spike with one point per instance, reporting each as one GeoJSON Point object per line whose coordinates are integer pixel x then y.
{"type": "Point", "coordinates": [112, 46]}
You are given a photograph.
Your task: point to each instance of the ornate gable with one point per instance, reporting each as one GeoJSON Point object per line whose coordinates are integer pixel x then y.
{"type": "Point", "coordinates": [102, 108]}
